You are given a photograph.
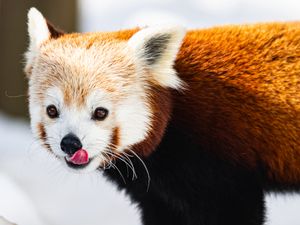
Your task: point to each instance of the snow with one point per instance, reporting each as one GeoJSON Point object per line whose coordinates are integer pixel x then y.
{"type": "Point", "coordinates": [16, 204]}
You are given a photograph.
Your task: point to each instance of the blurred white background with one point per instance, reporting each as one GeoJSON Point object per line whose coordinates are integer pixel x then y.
{"type": "Point", "coordinates": [116, 14]}
{"type": "Point", "coordinates": [36, 190]}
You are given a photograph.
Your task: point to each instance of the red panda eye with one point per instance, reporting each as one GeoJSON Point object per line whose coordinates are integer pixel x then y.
{"type": "Point", "coordinates": [52, 111]}
{"type": "Point", "coordinates": [100, 113]}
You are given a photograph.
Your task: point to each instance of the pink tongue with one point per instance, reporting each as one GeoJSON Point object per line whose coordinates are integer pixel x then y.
{"type": "Point", "coordinates": [80, 157]}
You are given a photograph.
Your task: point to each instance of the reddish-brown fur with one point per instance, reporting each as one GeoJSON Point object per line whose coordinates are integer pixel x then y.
{"type": "Point", "coordinates": [43, 136]}
{"type": "Point", "coordinates": [115, 140]}
{"type": "Point", "coordinates": [243, 96]}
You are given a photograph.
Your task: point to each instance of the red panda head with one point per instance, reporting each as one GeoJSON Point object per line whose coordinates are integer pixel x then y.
{"type": "Point", "coordinates": [94, 96]}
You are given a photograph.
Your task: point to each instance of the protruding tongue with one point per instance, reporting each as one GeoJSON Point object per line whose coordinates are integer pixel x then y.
{"type": "Point", "coordinates": [80, 157]}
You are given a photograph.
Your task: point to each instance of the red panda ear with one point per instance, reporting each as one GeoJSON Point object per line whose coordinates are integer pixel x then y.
{"type": "Point", "coordinates": [39, 30]}
{"type": "Point", "coordinates": [156, 49]}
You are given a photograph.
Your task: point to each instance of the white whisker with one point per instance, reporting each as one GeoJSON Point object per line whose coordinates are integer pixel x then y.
{"type": "Point", "coordinates": [146, 169]}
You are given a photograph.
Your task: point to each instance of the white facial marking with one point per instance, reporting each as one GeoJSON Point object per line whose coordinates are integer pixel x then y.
{"type": "Point", "coordinates": [133, 116]}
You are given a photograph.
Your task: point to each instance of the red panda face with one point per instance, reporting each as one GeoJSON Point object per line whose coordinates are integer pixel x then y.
{"type": "Point", "coordinates": [102, 105]}
{"type": "Point", "coordinates": [90, 96]}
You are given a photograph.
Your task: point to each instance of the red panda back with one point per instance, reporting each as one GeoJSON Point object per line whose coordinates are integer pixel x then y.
{"type": "Point", "coordinates": [244, 94]}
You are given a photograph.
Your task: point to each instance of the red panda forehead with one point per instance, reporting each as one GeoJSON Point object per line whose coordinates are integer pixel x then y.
{"type": "Point", "coordinates": [75, 69]}
{"type": "Point", "coordinates": [93, 48]}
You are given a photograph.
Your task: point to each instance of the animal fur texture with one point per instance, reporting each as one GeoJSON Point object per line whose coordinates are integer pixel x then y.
{"type": "Point", "coordinates": [199, 124]}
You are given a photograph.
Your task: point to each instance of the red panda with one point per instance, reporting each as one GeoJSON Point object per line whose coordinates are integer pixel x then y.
{"type": "Point", "coordinates": [203, 120]}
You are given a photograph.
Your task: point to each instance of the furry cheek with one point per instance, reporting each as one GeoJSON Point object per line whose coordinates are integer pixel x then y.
{"type": "Point", "coordinates": [134, 119]}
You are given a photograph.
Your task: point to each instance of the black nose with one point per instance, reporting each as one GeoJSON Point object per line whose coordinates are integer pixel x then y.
{"type": "Point", "coordinates": [70, 144]}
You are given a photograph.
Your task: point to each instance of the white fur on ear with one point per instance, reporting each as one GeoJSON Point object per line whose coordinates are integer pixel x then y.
{"type": "Point", "coordinates": [37, 28]}
{"type": "Point", "coordinates": [156, 48]}
{"type": "Point", "coordinates": [38, 33]}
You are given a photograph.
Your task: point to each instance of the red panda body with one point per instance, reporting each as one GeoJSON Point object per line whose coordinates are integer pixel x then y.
{"type": "Point", "coordinates": [236, 127]}
{"type": "Point", "coordinates": [243, 94]}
